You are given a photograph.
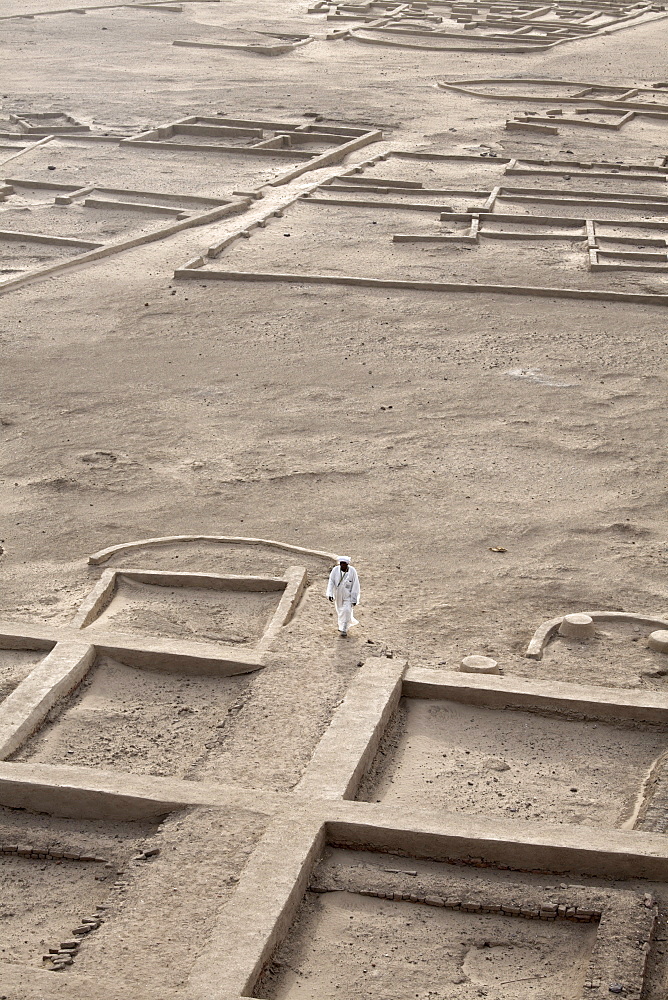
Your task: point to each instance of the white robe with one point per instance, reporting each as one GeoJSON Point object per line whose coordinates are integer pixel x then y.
{"type": "Point", "coordinates": [345, 589]}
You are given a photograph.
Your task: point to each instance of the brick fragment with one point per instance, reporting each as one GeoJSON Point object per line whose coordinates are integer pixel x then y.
{"type": "Point", "coordinates": [434, 901]}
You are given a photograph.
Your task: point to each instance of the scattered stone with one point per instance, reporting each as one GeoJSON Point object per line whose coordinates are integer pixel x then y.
{"type": "Point", "coordinates": [150, 852]}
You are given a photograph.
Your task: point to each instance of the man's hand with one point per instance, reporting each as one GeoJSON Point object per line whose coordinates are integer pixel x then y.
{"type": "Point", "coordinates": [332, 599]}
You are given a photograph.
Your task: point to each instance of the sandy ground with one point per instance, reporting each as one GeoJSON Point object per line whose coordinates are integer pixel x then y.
{"type": "Point", "coordinates": [416, 431]}
{"type": "Point", "coordinates": [523, 766]}
{"type": "Point", "coordinates": [15, 665]}
{"type": "Point", "coordinates": [223, 616]}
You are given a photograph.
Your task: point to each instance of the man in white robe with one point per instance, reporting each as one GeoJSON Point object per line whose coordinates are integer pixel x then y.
{"type": "Point", "coordinates": [344, 590]}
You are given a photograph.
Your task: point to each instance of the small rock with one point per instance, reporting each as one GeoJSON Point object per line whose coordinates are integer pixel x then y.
{"type": "Point", "coordinates": [495, 764]}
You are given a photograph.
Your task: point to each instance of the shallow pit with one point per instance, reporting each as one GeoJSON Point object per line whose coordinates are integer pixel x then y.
{"type": "Point", "coordinates": [454, 757]}
{"type": "Point", "coordinates": [144, 721]}
{"type": "Point", "coordinates": [349, 946]}
{"type": "Point", "coordinates": [194, 613]}
{"type": "Point", "coordinates": [43, 900]}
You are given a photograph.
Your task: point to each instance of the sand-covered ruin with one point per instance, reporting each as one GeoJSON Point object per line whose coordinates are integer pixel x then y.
{"type": "Point", "coordinates": [283, 282]}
